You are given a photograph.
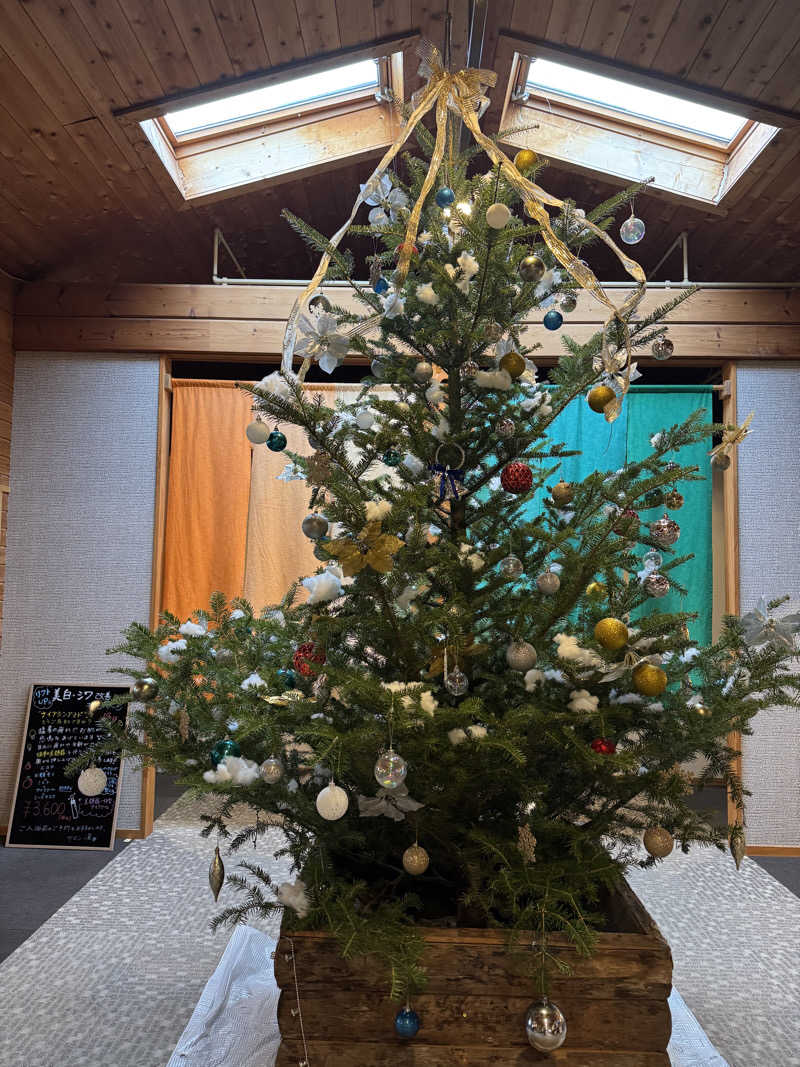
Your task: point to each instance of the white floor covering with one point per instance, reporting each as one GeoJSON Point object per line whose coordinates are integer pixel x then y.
{"type": "Point", "coordinates": [112, 979]}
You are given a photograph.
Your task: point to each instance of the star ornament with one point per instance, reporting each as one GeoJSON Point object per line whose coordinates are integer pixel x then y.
{"type": "Point", "coordinates": [371, 548]}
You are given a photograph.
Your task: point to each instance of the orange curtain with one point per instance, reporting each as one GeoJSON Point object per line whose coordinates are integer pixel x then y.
{"type": "Point", "coordinates": [209, 491]}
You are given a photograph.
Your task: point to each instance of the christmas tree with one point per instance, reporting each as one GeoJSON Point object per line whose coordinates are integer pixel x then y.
{"type": "Point", "coordinates": [446, 730]}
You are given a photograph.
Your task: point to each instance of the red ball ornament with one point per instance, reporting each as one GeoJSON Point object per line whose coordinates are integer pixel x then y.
{"type": "Point", "coordinates": [306, 655]}
{"type": "Point", "coordinates": [604, 745]}
{"type": "Point", "coordinates": [627, 522]}
{"type": "Point", "coordinates": [516, 477]}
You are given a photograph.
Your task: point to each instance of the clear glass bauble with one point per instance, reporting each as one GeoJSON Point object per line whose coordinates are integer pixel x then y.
{"type": "Point", "coordinates": [456, 682]}
{"type": "Point", "coordinates": [378, 368]}
{"type": "Point", "coordinates": [632, 230]}
{"type": "Point", "coordinates": [512, 566]}
{"type": "Point", "coordinates": [545, 1025]}
{"type": "Point", "coordinates": [568, 302]}
{"type": "Point", "coordinates": [662, 348]}
{"type": "Point", "coordinates": [653, 559]}
{"type": "Point", "coordinates": [271, 770]}
{"type": "Point", "coordinates": [390, 769]}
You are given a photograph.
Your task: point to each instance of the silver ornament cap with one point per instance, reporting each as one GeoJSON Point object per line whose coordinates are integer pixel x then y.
{"type": "Point", "coordinates": [545, 1025]}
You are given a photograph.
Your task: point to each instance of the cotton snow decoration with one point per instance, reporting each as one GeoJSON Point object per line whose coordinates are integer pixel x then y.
{"type": "Point", "coordinates": [192, 629]}
{"type": "Point", "coordinates": [237, 613]}
{"type": "Point", "coordinates": [551, 675]}
{"type": "Point", "coordinates": [474, 733]}
{"type": "Point", "coordinates": [427, 294]}
{"type": "Point", "coordinates": [274, 385]}
{"type": "Point", "coordinates": [474, 560]}
{"type": "Point", "coordinates": [493, 379]}
{"type": "Point", "coordinates": [428, 702]}
{"type": "Point", "coordinates": [294, 896]}
{"type": "Point", "coordinates": [377, 510]}
{"type": "Point", "coordinates": [533, 679]}
{"type": "Point", "coordinates": [170, 652]}
{"type": "Point", "coordinates": [582, 700]}
{"type": "Point", "coordinates": [569, 649]}
{"type": "Point", "coordinates": [657, 440]}
{"type": "Point", "coordinates": [434, 394]}
{"type": "Point", "coordinates": [411, 463]}
{"type": "Point", "coordinates": [325, 586]}
{"type": "Point", "coordinates": [234, 769]}
{"type": "Point", "coordinates": [252, 681]}
{"type": "Point", "coordinates": [394, 304]}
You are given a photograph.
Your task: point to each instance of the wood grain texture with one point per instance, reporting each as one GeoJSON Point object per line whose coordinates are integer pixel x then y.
{"type": "Point", "coordinates": [730, 506]}
{"type": "Point", "coordinates": [8, 290]}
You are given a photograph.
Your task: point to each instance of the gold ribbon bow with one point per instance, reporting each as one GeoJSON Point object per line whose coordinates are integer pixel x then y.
{"type": "Point", "coordinates": [463, 92]}
{"type": "Point", "coordinates": [732, 436]}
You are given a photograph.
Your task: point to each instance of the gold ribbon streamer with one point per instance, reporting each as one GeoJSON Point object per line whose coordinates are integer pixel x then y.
{"type": "Point", "coordinates": [733, 436]}
{"type": "Point", "coordinates": [462, 91]}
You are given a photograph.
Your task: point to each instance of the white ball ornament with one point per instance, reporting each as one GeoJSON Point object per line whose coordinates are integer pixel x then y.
{"type": "Point", "coordinates": [257, 432]}
{"type": "Point", "coordinates": [497, 216]}
{"type": "Point", "coordinates": [92, 781]}
{"type": "Point", "coordinates": [364, 419]}
{"type": "Point", "coordinates": [521, 656]}
{"type": "Point", "coordinates": [332, 802]}
{"type": "Point", "coordinates": [416, 859]}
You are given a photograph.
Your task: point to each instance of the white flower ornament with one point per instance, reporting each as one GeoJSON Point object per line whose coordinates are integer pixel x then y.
{"type": "Point", "coordinates": [385, 201]}
{"type": "Point", "coordinates": [322, 341]}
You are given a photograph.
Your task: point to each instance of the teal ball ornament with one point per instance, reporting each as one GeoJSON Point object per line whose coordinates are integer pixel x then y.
{"type": "Point", "coordinates": [224, 748]}
{"type": "Point", "coordinates": [553, 320]}
{"type": "Point", "coordinates": [391, 457]}
{"type": "Point", "coordinates": [287, 677]}
{"type": "Point", "coordinates": [445, 196]}
{"type": "Point", "coordinates": [276, 442]}
{"type": "Point", "coordinates": [407, 1023]}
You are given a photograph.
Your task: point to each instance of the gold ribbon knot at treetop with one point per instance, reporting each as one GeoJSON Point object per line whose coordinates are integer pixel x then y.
{"type": "Point", "coordinates": [463, 92]}
{"type": "Point", "coordinates": [731, 437]}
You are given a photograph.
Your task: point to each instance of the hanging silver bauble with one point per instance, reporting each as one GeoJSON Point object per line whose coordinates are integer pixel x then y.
{"type": "Point", "coordinates": [665, 531]}
{"type": "Point", "coordinates": [511, 566]}
{"type": "Point", "coordinates": [656, 585]}
{"type": "Point", "coordinates": [390, 769]}
{"type": "Point", "coordinates": [545, 1025]}
{"type": "Point", "coordinates": [456, 682]}
{"type": "Point", "coordinates": [493, 331]}
{"type": "Point", "coordinates": [662, 348]}
{"type": "Point", "coordinates": [423, 372]}
{"type": "Point", "coordinates": [531, 269]}
{"type": "Point", "coordinates": [378, 368]}
{"type": "Point", "coordinates": [548, 583]}
{"type": "Point", "coordinates": [521, 656]}
{"type": "Point", "coordinates": [364, 418]}
{"type": "Point", "coordinates": [271, 770]}
{"type": "Point", "coordinates": [568, 302]}
{"type": "Point", "coordinates": [332, 802]}
{"type": "Point", "coordinates": [314, 526]}
{"type": "Point", "coordinates": [505, 428]}
{"type": "Point", "coordinates": [144, 689]}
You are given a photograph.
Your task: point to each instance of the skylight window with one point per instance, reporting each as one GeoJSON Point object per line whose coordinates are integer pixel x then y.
{"type": "Point", "coordinates": [546, 76]}
{"type": "Point", "coordinates": [295, 92]}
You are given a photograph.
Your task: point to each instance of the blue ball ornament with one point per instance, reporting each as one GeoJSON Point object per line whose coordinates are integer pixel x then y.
{"type": "Point", "coordinates": [407, 1023]}
{"type": "Point", "coordinates": [445, 196]}
{"type": "Point", "coordinates": [287, 677]}
{"type": "Point", "coordinates": [381, 286]}
{"type": "Point", "coordinates": [224, 748]}
{"type": "Point", "coordinates": [276, 442]}
{"type": "Point", "coordinates": [553, 320]}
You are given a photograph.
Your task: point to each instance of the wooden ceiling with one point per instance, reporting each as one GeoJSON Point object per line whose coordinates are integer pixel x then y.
{"type": "Point", "coordinates": [83, 198]}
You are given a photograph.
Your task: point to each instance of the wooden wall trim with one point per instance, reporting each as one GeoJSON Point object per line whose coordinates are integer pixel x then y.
{"type": "Point", "coordinates": [730, 505]}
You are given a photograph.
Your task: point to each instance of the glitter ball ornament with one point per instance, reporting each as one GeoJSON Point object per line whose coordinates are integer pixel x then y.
{"type": "Point", "coordinates": [364, 419]}
{"type": "Point", "coordinates": [674, 500]}
{"type": "Point", "coordinates": [595, 591]}
{"type": "Point", "coordinates": [445, 196]}
{"type": "Point", "coordinates": [223, 748]}
{"type": "Point", "coordinates": [548, 583]}
{"type": "Point", "coordinates": [513, 363]}
{"type": "Point", "coordinates": [545, 1025]}
{"type": "Point", "coordinates": [332, 802]}
{"type": "Point", "coordinates": [456, 682]}
{"type": "Point", "coordinates": [626, 523]}
{"type": "Point", "coordinates": [469, 368]}
{"type": "Point", "coordinates": [511, 566]}
{"type": "Point", "coordinates": [701, 710]}
{"type": "Point", "coordinates": [390, 769]}
{"type": "Point", "coordinates": [216, 874]}
{"type": "Point", "coordinates": [516, 477]}
{"type": "Point", "coordinates": [423, 372]}
{"type": "Point", "coordinates": [381, 286]}
{"type": "Point", "coordinates": [416, 859]}
{"type": "Point", "coordinates": [306, 656]}
{"type": "Point", "coordinates": [92, 781]}
{"type": "Point", "coordinates": [497, 216]}
{"type": "Point", "coordinates": [656, 585]}
{"type": "Point", "coordinates": [391, 457]}
{"type": "Point", "coordinates": [562, 493]}
{"type": "Point", "coordinates": [611, 634]}
{"type": "Point", "coordinates": [598, 397]}
{"type": "Point", "coordinates": [144, 689]}
{"type": "Point", "coordinates": [649, 680]}
{"type": "Point", "coordinates": [314, 526]}
{"type": "Point", "coordinates": [568, 302]}
{"type": "Point", "coordinates": [665, 531]}
{"type": "Point", "coordinates": [553, 320]}
{"type": "Point", "coordinates": [505, 428]}
{"type": "Point", "coordinates": [658, 841]}
{"type": "Point", "coordinates": [605, 746]}
{"type": "Point", "coordinates": [525, 160]}
{"type": "Point", "coordinates": [531, 269]}
{"type": "Point", "coordinates": [276, 442]}
{"type": "Point", "coordinates": [721, 461]}
{"type": "Point", "coordinates": [521, 656]}
{"type": "Point", "coordinates": [271, 770]}
{"type": "Point", "coordinates": [632, 230]}
{"type": "Point", "coordinates": [257, 432]}
{"type": "Point", "coordinates": [407, 1023]}
{"type": "Point", "coordinates": [493, 331]}
{"type": "Point", "coordinates": [662, 348]}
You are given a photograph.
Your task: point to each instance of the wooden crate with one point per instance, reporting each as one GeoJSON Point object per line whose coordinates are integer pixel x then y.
{"type": "Point", "coordinates": [473, 1008]}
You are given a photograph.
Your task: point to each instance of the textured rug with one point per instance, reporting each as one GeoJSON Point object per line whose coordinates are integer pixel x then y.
{"type": "Point", "coordinates": [114, 976]}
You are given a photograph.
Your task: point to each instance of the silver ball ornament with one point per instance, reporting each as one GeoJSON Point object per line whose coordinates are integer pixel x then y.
{"type": "Point", "coordinates": [497, 216]}
{"type": "Point", "coordinates": [521, 656]}
{"type": "Point", "coordinates": [545, 1025]}
{"type": "Point", "coordinates": [456, 682]}
{"type": "Point", "coordinates": [568, 302]}
{"type": "Point", "coordinates": [378, 368]}
{"type": "Point", "coordinates": [364, 419]}
{"type": "Point", "coordinates": [548, 583]}
{"type": "Point", "coordinates": [144, 689]}
{"type": "Point", "coordinates": [721, 461]}
{"type": "Point", "coordinates": [332, 802]}
{"type": "Point", "coordinates": [531, 269]}
{"type": "Point", "coordinates": [416, 860]}
{"type": "Point", "coordinates": [665, 531]}
{"type": "Point", "coordinates": [423, 372]}
{"type": "Point", "coordinates": [271, 770]}
{"type": "Point", "coordinates": [390, 769]}
{"type": "Point", "coordinates": [511, 566]}
{"type": "Point", "coordinates": [656, 585]}
{"type": "Point", "coordinates": [257, 432]}
{"type": "Point", "coordinates": [314, 526]}
{"type": "Point", "coordinates": [662, 348]}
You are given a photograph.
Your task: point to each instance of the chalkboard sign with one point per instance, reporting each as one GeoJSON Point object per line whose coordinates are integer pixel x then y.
{"type": "Point", "coordinates": [49, 811]}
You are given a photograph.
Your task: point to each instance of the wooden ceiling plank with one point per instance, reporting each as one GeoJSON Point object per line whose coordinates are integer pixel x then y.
{"type": "Point", "coordinates": [158, 36]}
{"type": "Point", "coordinates": [108, 27]}
{"type": "Point", "coordinates": [392, 16]}
{"type": "Point", "coordinates": [686, 36]}
{"type": "Point", "coordinates": [729, 39]}
{"type": "Point", "coordinates": [784, 86]}
{"type": "Point", "coordinates": [776, 37]}
{"type": "Point", "coordinates": [567, 22]}
{"type": "Point", "coordinates": [498, 18]}
{"type": "Point", "coordinates": [281, 31]}
{"type": "Point", "coordinates": [531, 18]}
{"type": "Point", "coordinates": [645, 31]}
{"type": "Point", "coordinates": [319, 25]}
{"type": "Point", "coordinates": [201, 36]}
{"type": "Point", "coordinates": [241, 31]}
{"type": "Point", "coordinates": [606, 26]}
{"type": "Point", "coordinates": [356, 22]}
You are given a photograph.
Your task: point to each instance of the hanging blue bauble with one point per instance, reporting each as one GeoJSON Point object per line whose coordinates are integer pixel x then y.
{"type": "Point", "coordinates": [407, 1022]}
{"type": "Point", "coordinates": [445, 196]}
{"type": "Point", "coordinates": [224, 748]}
{"type": "Point", "coordinates": [287, 677]}
{"type": "Point", "coordinates": [553, 320]}
{"type": "Point", "coordinates": [276, 442]}
{"type": "Point", "coordinates": [381, 286]}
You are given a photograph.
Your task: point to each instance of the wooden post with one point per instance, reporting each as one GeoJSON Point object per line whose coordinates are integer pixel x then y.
{"type": "Point", "coordinates": [730, 504]}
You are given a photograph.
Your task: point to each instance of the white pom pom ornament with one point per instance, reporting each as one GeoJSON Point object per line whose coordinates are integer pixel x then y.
{"type": "Point", "coordinates": [92, 781]}
{"type": "Point", "coordinates": [332, 802]}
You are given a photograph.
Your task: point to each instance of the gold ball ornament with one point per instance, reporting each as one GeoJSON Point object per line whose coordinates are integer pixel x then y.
{"type": "Point", "coordinates": [658, 841]}
{"type": "Point", "coordinates": [701, 710]}
{"type": "Point", "coordinates": [649, 680]}
{"type": "Point", "coordinates": [525, 160]}
{"type": "Point", "coordinates": [596, 591]}
{"type": "Point", "coordinates": [673, 500]}
{"type": "Point", "coordinates": [548, 583]}
{"type": "Point", "coordinates": [599, 397]}
{"type": "Point", "coordinates": [416, 859]}
{"type": "Point", "coordinates": [513, 363]}
{"type": "Point", "coordinates": [531, 269]}
{"type": "Point", "coordinates": [562, 493]}
{"type": "Point", "coordinates": [611, 634]}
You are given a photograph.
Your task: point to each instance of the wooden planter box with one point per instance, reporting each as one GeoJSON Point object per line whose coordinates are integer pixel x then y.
{"type": "Point", "coordinates": [473, 1008]}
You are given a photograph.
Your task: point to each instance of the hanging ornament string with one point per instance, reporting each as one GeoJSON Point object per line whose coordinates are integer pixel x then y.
{"type": "Point", "coordinates": [463, 92]}
{"type": "Point", "coordinates": [305, 1062]}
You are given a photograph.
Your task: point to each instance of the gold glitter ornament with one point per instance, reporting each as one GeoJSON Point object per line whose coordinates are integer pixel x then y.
{"type": "Point", "coordinates": [599, 397]}
{"type": "Point", "coordinates": [611, 634]}
{"type": "Point", "coordinates": [673, 500]}
{"type": "Point", "coordinates": [513, 363]}
{"type": "Point", "coordinates": [658, 841]}
{"type": "Point", "coordinates": [526, 843]}
{"type": "Point", "coordinates": [562, 493]}
{"type": "Point", "coordinates": [649, 680]}
{"type": "Point", "coordinates": [92, 781]}
{"type": "Point", "coordinates": [216, 873]}
{"type": "Point", "coordinates": [596, 591]}
{"type": "Point", "coordinates": [416, 859]}
{"type": "Point", "coordinates": [525, 160]}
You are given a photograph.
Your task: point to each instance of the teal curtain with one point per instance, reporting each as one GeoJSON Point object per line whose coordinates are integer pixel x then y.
{"type": "Point", "coordinates": [646, 410]}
